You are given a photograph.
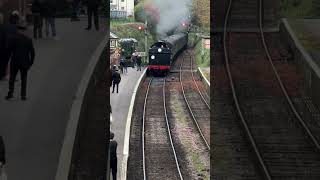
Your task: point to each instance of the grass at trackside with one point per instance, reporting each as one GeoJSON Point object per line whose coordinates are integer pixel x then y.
{"type": "Point", "coordinates": [309, 41]}
{"type": "Point", "coordinates": [115, 22]}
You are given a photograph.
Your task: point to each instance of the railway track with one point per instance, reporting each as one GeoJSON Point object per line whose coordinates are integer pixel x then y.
{"type": "Point", "coordinates": [279, 137]}
{"type": "Point", "coordinates": [159, 156]}
{"type": "Point", "coordinates": [198, 106]}
{"type": "Point", "coordinates": [165, 141]}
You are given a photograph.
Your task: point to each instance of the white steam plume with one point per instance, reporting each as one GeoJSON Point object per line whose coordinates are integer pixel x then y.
{"type": "Point", "coordinates": [172, 13]}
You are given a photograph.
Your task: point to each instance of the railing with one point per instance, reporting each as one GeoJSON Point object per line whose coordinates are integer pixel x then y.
{"type": "Point", "coordinates": [117, 14]}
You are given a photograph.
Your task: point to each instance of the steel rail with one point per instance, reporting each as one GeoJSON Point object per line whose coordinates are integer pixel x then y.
{"type": "Point", "coordinates": [301, 121]}
{"type": "Point", "coordinates": [190, 110]}
{"type": "Point", "coordinates": [168, 128]}
{"type": "Point", "coordinates": [143, 130]}
{"type": "Point", "coordinates": [194, 80]}
{"type": "Point", "coordinates": [236, 101]}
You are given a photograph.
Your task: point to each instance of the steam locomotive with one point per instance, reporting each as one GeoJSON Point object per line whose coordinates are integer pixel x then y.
{"type": "Point", "coordinates": [163, 52]}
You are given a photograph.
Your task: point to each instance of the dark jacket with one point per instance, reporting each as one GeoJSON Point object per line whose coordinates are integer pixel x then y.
{"type": "Point", "coordinates": [2, 41]}
{"type": "Point", "coordinates": [49, 9]}
{"type": "Point", "coordinates": [2, 151]}
{"type": "Point", "coordinates": [92, 3]}
{"type": "Point", "coordinates": [21, 51]}
{"type": "Point", "coordinates": [7, 33]}
{"type": "Point", "coordinates": [113, 150]}
{"type": "Point", "coordinates": [139, 61]}
{"type": "Point", "coordinates": [116, 78]}
{"type": "Point", "coordinates": [36, 7]}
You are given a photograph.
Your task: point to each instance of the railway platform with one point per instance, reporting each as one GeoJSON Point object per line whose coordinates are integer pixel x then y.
{"type": "Point", "coordinates": [34, 130]}
{"type": "Point", "coordinates": [120, 103]}
{"type": "Point", "coordinates": [307, 30]}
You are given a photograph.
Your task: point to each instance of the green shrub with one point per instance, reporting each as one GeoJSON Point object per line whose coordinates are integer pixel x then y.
{"type": "Point", "coordinates": [202, 57]}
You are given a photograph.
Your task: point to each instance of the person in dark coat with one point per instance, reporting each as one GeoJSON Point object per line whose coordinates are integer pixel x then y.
{"type": "Point", "coordinates": [3, 49]}
{"type": "Point", "coordinates": [113, 156]}
{"type": "Point", "coordinates": [49, 15]}
{"type": "Point", "coordinates": [93, 6]}
{"type": "Point", "coordinates": [2, 153]}
{"type": "Point", "coordinates": [116, 78]}
{"type": "Point", "coordinates": [7, 32]}
{"type": "Point", "coordinates": [122, 64]}
{"type": "Point", "coordinates": [139, 62]}
{"type": "Point", "coordinates": [134, 58]}
{"type": "Point", "coordinates": [74, 14]}
{"type": "Point", "coordinates": [37, 12]}
{"type": "Point", "coordinates": [22, 54]}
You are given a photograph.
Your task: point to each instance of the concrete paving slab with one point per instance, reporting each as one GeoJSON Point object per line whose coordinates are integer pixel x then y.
{"type": "Point", "coordinates": [120, 103]}
{"type": "Point", "coordinates": [33, 131]}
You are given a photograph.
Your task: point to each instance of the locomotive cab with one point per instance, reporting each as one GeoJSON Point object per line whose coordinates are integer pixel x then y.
{"type": "Point", "coordinates": [160, 58]}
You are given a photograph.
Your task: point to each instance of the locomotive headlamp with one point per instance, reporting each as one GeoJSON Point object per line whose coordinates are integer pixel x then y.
{"type": "Point", "coordinates": [159, 50]}
{"type": "Point", "coordinates": [153, 57]}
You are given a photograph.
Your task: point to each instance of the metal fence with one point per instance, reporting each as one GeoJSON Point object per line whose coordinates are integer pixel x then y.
{"type": "Point", "coordinates": [118, 14]}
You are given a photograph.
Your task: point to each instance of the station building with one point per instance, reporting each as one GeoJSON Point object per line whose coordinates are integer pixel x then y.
{"type": "Point", "coordinates": [121, 8]}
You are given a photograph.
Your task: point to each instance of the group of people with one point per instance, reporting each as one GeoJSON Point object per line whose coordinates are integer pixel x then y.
{"type": "Point", "coordinates": [116, 77]}
{"type": "Point", "coordinates": [137, 60]}
{"type": "Point", "coordinates": [17, 48]}
{"type": "Point", "coordinates": [46, 11]}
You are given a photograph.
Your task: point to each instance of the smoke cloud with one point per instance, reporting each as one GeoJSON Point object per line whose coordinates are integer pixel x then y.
{"type": "Point", "coordinates": [171, 14]}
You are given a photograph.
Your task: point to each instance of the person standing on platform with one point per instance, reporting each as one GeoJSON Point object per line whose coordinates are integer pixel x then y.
{"type": "Point", "coordinates": [49, 17]}
{"type": "Point", "coordinates": [93, 6]}
{"type": "Point", "coordinates": [74, 14]}
{"type": "Point", "coordinates": [116, 78]}
{"type": "Point", "coordinates": [139, 62]}
{"type": "Point", "coordinates": [2, 159]}
{"type": "Point", "coordinates": [3, 49]}
{"type": "Point", "coordinates": [37, 12]}
{"type": "Point", "coordinates": [113, 156]}
{"type": "Point", "coordinates": [134, 58]}
{"type": "Point", "coordinates": [9, 31]}
{"type": "Point", "coordinates": [22, 54]}
{"type": "Point", "coordinates": [114, 68]}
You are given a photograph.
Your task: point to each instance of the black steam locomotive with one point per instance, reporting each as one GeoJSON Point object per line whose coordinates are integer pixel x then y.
{"type": "Point", "coordinates": [163, 52]}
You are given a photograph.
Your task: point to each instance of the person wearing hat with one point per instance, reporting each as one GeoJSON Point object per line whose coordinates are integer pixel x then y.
{"type": "Point", "coordinates": [113, 156]}
{"type": "Point", "coordinates": [22, 54]}
{"type": "Point", "coordinates": [116, 78]}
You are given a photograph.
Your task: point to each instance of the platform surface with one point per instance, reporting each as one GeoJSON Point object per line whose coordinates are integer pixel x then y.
{"type": "Point", "coordinates": [120, 103]}
{"type": "Point", "coordinates": [33, 130]}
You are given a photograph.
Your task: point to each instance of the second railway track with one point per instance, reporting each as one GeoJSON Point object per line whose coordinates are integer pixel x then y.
{"type": "Point", "coordinates": [278, 135]}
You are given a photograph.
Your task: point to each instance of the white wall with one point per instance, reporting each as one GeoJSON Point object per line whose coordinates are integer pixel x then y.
{"type": "Point", "coordinates": [126, 5]}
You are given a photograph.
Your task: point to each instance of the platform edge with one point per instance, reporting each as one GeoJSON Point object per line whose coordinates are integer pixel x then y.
{"type": "Point", "coordinates": [124, 162]}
